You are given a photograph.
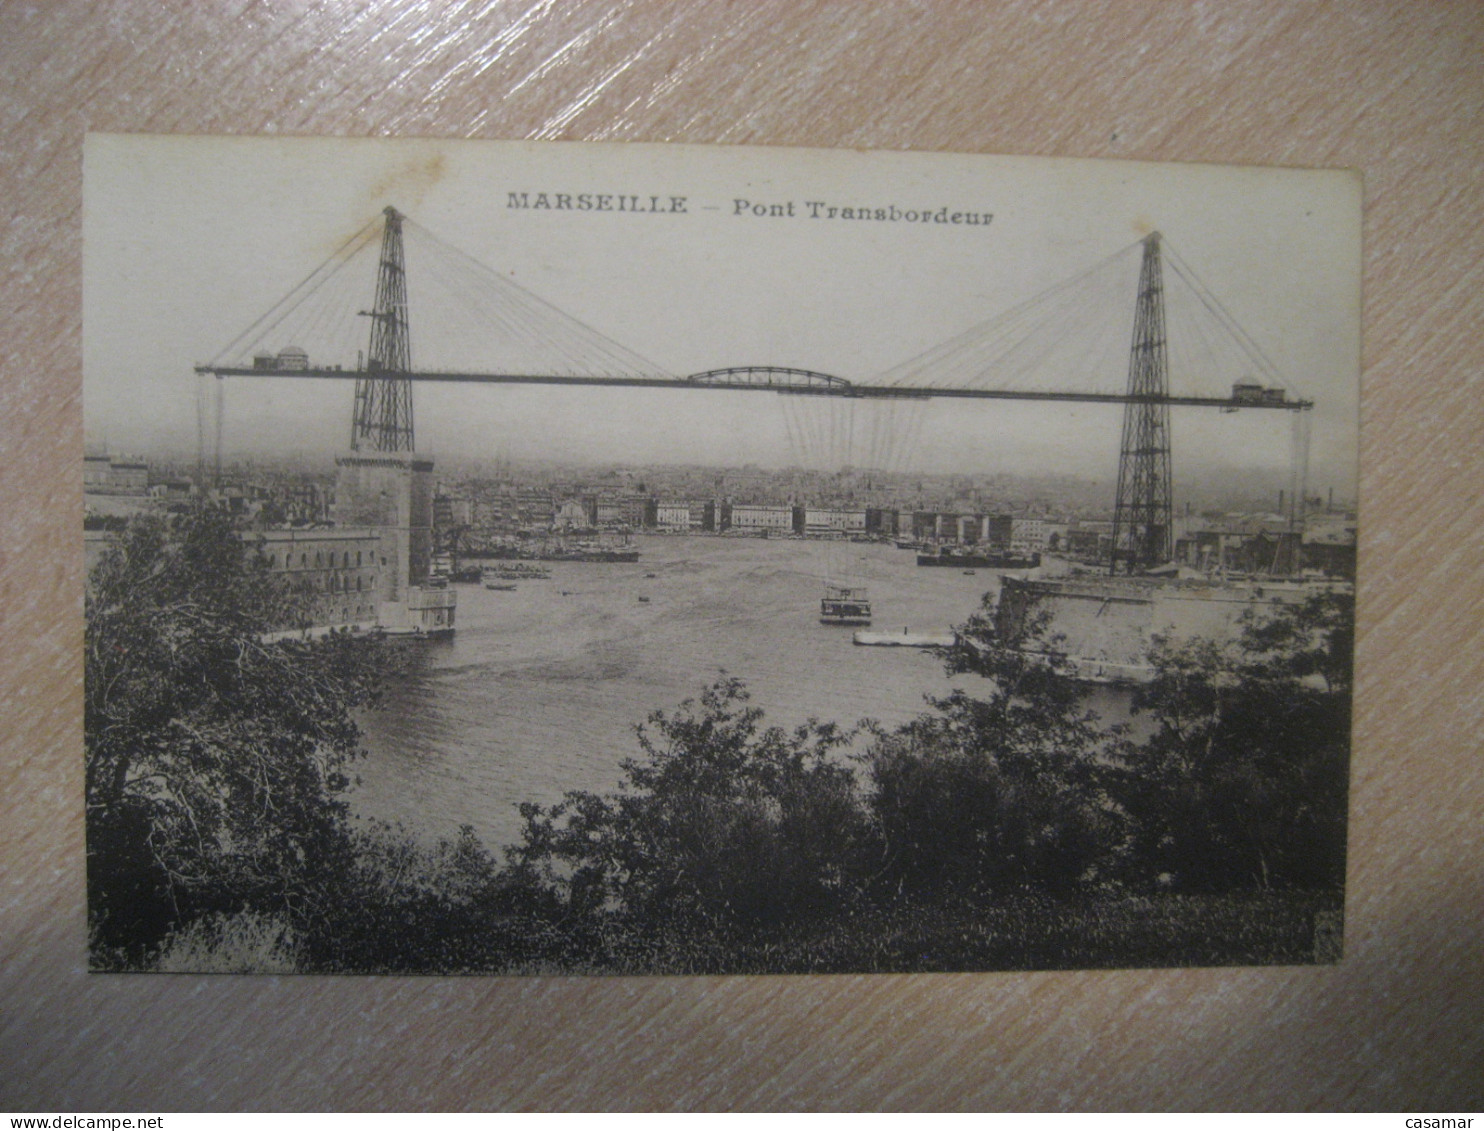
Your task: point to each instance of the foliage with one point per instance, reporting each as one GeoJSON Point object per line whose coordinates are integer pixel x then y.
{"type": "Point", "coordinates": [214, 760]}
{"type": "Point", "coordinates": [1006, 826]}
{"type": "Point", "coordinates": [997, 792]}
{"type": "Point", "coordinates": [721, 824]}
{"type": "Point", "coordinates": [1243, 784]}
{"type": "Point", "coordinates": [1027, 931]}
{"type": "Point", "coordinates": [1311, 641]}
{"type": "Point", "coordinates": [448, 908]}
{"type": "Point", "coordinates": [244, 943]}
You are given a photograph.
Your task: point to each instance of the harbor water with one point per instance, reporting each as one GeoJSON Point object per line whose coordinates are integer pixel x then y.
{"type": "Point", "coordinates": [540, 689]}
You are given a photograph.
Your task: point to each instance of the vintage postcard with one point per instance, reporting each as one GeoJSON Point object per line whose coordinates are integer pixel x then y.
{"type": "Point", "coordinates": [635, 559]}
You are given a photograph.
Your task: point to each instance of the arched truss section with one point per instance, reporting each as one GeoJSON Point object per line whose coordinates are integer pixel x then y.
{"type": "Point", "coordinates": [769, 377]}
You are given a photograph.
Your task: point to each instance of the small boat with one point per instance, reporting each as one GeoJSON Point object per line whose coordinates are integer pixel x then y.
{"type": "Point", "coordinates": [980, 559]}
{"type": "Point", "coordinates": [649, 575]}
{"type": "Point", "coordinates": [904, 639]}
{"type": "Point", "coordinates": [844, 605]}
{"type": "Point", "coordinates": [505, 586]}
{"type": "Point", "coordinates": [969, 572]}
{"type": "Point", "coordinates": [643, 600]}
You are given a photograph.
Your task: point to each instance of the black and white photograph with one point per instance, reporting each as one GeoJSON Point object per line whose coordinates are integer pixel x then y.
{"type": "Point", "coordinates": [518, 558]}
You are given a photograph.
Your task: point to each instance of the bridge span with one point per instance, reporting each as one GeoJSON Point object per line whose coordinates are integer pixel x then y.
{"type": "Point", "coordinates": [768, 379]}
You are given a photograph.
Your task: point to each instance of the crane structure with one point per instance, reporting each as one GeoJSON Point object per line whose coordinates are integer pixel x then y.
{"type": "Point", "coordinates": [382, 419]}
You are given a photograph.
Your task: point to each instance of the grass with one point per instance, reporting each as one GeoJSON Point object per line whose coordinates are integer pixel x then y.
{"type": "Point", "coordinates": [1022, 933]}
{"type": "Point", "coordinates": [1025, 932]}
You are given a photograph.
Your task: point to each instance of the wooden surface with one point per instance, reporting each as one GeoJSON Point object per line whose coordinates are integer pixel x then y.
{"type": "Point", "coordinates": [1395, 90]}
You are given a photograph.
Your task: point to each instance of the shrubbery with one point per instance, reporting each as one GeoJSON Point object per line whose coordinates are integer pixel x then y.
{"type": "Point", "coordinates": [723, 825]}
{"type": "Point", "coordinates": [1244, 783]}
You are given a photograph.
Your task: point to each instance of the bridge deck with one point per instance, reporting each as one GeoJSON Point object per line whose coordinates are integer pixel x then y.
{"type": "Point", "coordinates": [831, 387]}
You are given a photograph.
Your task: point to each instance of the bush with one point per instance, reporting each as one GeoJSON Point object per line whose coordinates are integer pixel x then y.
{"type": "Point", "coordinates": [1001, 792]}
{"type": "Point", "coordinates": [723, 824]}
{"type": "Point", "coordinates": [1244, 783]}
{"type": "Point", "coordinates": [403, 907]}
{"type": "Point", "coordinates": [244, 943]}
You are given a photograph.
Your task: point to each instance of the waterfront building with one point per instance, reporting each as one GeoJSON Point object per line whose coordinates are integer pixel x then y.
{"type": "Point", "coordinates": [672, 517]}
{"type": "Point", "coordinates": [824, 521]}
{"type": "Point", "coordinates": [608, 512]}
{"type": "Point", "coordinates": [95, 470]}
{"type": "Point", "coordinates": [392, 492]}
{"type": "Point", "coordinates": [1089, 541]}
{"type": "Point", "coordinates": [999, 530]}
{"type": "Point", "coordinates": [534, 507]}
{"type": "Point", "coordinates": [703, 516]}
{"type": "Point", "coordinates": [637, 511]}
{"type": "Point", "coordinates": [337, 571]}
{"type": "Point", "coordinates": [882, 521]}
{"type": "Point", "coordinates": [1263, 544]}
{"type": "Point", "coordinates": [371, 569]}
{"type": "Point", "coordinates": [1329, 548]}
{"type": "Point", "coordinates": [573, 513]}
{"type": "Point", "coordinates": [1028, 534]}
{"type": "Point", "coordinates": [753, 517]}
{"type": "Point", "coordinates": [103, 474]}
{"type": "Point", "coordinates": [498, 509]}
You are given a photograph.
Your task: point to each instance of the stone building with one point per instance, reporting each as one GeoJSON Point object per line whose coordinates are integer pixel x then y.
{"type": "Point", "coordinates": [392, 493]}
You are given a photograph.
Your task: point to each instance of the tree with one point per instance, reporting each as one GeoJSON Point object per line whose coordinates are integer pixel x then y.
{"type": "Point", "coordinates": [999, 791]}
{"type": "Point", "coordinates": [405, 906]}
{"type": "Point", "coordinates": [1243, 783]}
{"type": "Point", "coordinates": [215, 760]}
{"type": "Point", "coordinates": [722, 824]}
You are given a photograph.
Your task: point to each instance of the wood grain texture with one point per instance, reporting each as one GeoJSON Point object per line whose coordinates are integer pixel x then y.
{"type": "Point", "coordinates": [1393, 89]}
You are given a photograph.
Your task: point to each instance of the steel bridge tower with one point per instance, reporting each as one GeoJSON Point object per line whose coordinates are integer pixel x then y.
{"type": "Point", "coordinates": [381, 485]}
{"type": "Point", "coordinates": [382, 420]}
{"type": "Point", "coordinates": [1143, 512]}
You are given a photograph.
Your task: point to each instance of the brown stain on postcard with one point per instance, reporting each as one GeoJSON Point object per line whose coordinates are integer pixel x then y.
{"type": "Point", "coordinates": [406, 186]}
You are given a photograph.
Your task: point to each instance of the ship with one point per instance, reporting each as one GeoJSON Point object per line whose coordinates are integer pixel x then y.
{"type": "Point", "coordinates": [843, 605]}
{"type": "Point", "coordinates": [582, 553]}
{"type": "Point", "coordinates": [563, 550]}
{"type": "Point", "coordinates": [981, 559]}
{"type": "Point", "coordinates": [515, 571]}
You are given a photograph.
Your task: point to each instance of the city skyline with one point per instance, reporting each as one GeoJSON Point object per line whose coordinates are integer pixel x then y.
{"type": "Point", "coordinates": [1231, 491]}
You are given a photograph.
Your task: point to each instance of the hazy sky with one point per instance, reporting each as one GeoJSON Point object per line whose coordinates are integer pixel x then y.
{"type": "Point", "coordinates": [189, 240]}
